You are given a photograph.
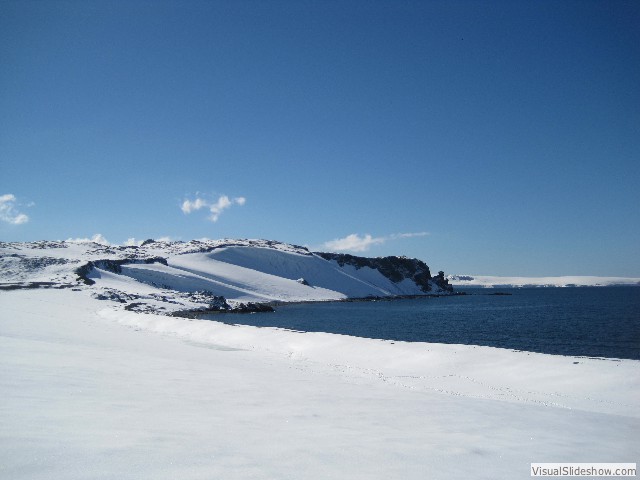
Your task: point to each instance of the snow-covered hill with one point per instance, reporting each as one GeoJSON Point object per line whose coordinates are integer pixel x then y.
{"type": "Point", "coordinates": [171, 276]}
{"type": "Point", "coordinates": [517, 282]}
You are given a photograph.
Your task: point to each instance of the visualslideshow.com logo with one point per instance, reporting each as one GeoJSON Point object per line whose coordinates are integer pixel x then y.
{"type": "Point", "coordinates": [583, 469]}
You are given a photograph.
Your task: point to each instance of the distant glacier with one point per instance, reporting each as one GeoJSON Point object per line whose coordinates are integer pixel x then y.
{"type": "Point", "coordinates": [488, 281]}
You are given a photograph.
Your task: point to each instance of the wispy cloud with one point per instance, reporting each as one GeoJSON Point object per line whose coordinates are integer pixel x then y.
{"type": "Point", "coordinates": [396, 236]}
{"type": "Point", "coordinates": [8, 211]}
{"type": "Point", "coordinates": [215, 208]}
{"type": "Point", "coordinates": [353, 243]}
{"type": "Point", "coordinates": [97, 238]}
{"type": "Point", "coordinates": [134, 242]}
{"type": "Point", "coordinates": [357, 243]}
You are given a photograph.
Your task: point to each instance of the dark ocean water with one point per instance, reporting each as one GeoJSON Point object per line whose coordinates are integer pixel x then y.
{"type": "Point", "coordinates": [596, 321]}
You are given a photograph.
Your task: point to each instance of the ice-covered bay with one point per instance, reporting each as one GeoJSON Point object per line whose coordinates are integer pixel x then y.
{"type": "Point", "coordinates": [96, 392]}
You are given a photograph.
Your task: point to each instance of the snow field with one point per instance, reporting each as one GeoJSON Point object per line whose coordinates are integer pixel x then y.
{"type": "Point", "coordinates": [91, 391]}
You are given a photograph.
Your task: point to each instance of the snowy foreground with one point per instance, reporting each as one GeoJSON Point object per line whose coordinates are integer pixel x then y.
{"type": "Point", "coordinates": [92, 391]}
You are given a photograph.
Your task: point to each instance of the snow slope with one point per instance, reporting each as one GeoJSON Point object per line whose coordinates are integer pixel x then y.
{"type": "Point", "coordinates": [240, 264]}
{"type": "Point", "coordinates": [90, 390]}
{"type": "Point", "coordinates": [566, 281]}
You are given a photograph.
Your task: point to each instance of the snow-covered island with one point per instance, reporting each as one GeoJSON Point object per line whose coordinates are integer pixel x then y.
{"type": "Point", "coordinates": [100, 381]}
{"type": "Point", "coordinates": [166, 277]}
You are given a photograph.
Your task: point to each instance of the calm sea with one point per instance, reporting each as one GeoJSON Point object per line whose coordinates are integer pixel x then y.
{"type": "Point", "coordinates": [596, 321]}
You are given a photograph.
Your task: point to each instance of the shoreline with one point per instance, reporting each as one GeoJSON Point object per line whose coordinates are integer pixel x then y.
{"type": "Point", "coordinates": [269, 307]}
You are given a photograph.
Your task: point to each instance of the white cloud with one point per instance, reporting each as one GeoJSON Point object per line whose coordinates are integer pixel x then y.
{"type": "Point", "coordinates": [97, 238]}
{"type": "Point", "coordinates": [197, 204]}
{"type": "Point", "coordinates": [408, 235]}
{"type": "Point", "coordinates": [8, 212]}
{"type": "Point", "coordinates": [20, 219]}
{"type": "Point", "coordinates": [132, 242]}
{"type": "Point", "coordinates": [356, 243]}
{"type": "Point", "coordinates": [216, 208]}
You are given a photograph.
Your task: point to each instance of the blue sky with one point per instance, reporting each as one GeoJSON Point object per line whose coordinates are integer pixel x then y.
{"type": "Point", "coordinates": [482, 137]}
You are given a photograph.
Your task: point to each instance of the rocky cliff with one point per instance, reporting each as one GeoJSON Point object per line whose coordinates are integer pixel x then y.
{"type": "Point", "coordinates": [395, 269]}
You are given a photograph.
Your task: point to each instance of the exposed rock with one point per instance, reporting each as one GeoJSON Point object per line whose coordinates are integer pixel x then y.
{"type": "Point", "coordinates": [115, 296]}
{"type": "Point", "coordinates": [215, 303]}
{"type": "Point", "coordinates": [441, 281]}
{"type": "Point", "coordinates": [32, 285]}
{"type": "Point", "coordinates": [251, 307]}
{"type": "Point", "coordinates": [143, 308]}
{"type": "Point", "coordinates": [394, 268]}
{"type": "Point", "coordinates": [39, 245]}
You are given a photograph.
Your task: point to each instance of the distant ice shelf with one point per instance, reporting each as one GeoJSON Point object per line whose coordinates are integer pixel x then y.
{"type": "Point", "coordinates": [487, 281]}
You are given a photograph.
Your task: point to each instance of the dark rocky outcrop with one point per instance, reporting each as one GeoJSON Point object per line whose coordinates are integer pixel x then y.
{"type": "Point", "coordinates": [441, 281]}
{"type": "Point", "coordinates": [394, 268]}
{"type": "Point", "coordinates": [251, 307]}
{"type": "Point", "coordinates": [215, 303]}
{"type": "Point", "coordinates": [218, 304]}
{"type": "Point", "coordinates": [32, 285]}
